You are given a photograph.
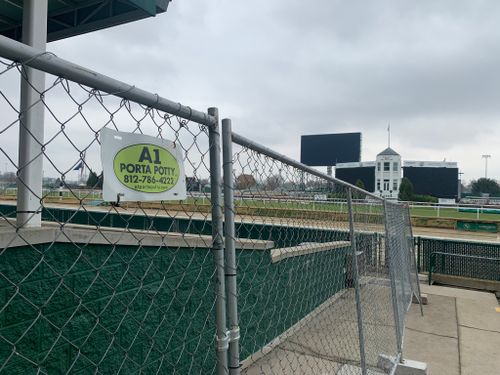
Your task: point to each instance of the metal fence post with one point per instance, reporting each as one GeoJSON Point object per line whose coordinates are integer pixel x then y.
{"type": "Point", "coordinates": [218, 244]}
{"type": "Point", "coordinates": [419, 268]}
{"type": "Point", "coordinates": [431, 258]}
{"type": "Point", "coordinates": [359, 311]}
{"type": "Point", "coordinates": [229, 228]}
{"type": "Point", "coordinates": [412, 253]}
{"type": "Point", "coordinates": [392, 274]}
{"type": "Point", "coordinates": [31, 124]}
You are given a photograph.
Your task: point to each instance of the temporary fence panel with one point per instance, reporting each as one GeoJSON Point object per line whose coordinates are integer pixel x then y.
{"type": "Point", "coordinates": [321, 299]}
{"type": "Point", "coordinates": [401, 255]}
{"type": "Point", "coordinates": [378, 294]}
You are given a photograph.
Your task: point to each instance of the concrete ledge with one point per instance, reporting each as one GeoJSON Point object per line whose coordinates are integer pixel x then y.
{"type": "Point", "coordinates": [466, 282]}
{"type": "Point", "coordinates": [84, 234]}
{"type": "Point", "coordinates": [307, 248]}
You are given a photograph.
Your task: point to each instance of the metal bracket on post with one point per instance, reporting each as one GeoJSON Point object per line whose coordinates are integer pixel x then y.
{"type": "Point", "coordinates": [230, 252]}
{"type": "Point", "coordinates": [354, 262]}
{"type": "Point", "coordinates": [222, 342]}
{"type": "Point", "coordinates": [234, 334]}
{"type": "Point", "coordinates": [218, 244]}
{"type": "Point", "coordinates": [419, 297]}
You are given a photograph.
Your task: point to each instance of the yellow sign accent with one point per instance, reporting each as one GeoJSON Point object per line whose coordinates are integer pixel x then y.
{"type": "Point", "coordinates": [146, 168]}
{"type": "Point", "coordinates": [497, 309]}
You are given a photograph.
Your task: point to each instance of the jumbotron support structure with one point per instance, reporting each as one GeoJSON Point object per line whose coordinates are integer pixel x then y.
{"type": "Point", "coordinates": [486, 157]}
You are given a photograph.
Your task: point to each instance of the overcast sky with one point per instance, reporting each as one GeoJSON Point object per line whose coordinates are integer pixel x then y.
{"type": "Point", "coordinates": [283, 68]}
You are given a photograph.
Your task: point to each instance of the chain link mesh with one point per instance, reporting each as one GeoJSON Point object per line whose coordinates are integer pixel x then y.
{"type": "Point", "coordinates": [375, 283]}
{"type": "Point", "coordinates": [293, 316]}
{"type": "Point", "coordinates": [110, 288]}
{"type": "Point", "coordinates": [459, 259]}
{"type": "Point", "coordinates": [401, 253]}
{"type": "Point", "coordinates": [297, 300]}
{"type": "Point", "coordinates": [101, 288]}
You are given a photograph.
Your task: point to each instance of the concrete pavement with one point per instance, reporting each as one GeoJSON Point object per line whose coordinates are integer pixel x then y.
{"type": "Point", "coordinates": [458, 334]}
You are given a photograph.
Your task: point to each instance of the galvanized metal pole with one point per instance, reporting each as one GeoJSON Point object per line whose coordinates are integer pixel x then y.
{"type": "Point", "coordinates": [359, 311]}
{"type": "Point", "coordinates": [221, 336]}
{"type": "Point", "coordinates": [31, 120]}
{"type": "Point", "coordinates": [394, 292]}
{"type": "Point", "coordinates": [231, 264]}
{"type": "Point", "coordinates": [419, 297]}
{"type": "Point", "coordinates": [49, 63]}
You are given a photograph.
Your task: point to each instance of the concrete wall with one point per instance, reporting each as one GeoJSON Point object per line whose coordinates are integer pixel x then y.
{"type": "Point", "coordinates": [83, 306]}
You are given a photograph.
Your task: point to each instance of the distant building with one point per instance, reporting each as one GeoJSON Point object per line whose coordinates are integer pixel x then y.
{"type": "Point", "coordinates": [436, 178]}
{"type": "Point", "coordinates": [383, 176]}
{"type": "Point", "coordinates": [388, 173]}
{"type": "Point", "coordinates": [363, 171]}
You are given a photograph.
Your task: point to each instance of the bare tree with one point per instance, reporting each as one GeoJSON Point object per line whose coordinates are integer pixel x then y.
{"type": "Point", "coordinates": [245, 181]}
{"type": "Point", "coordinates": [273, 182]}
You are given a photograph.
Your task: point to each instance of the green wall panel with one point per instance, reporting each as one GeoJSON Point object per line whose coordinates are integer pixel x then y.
{"type": "Point", "coordinates": [150, 308]}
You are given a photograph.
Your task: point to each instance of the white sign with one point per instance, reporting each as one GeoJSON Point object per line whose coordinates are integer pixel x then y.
{"type": "Point", "coordinates": [446, 201]}
{"type": "Point", "coordinates": [356, 164]}
{"type": "Point", "coordinates": [431, 164]}
{"type": "Point", "coordinates": [320, 197]}
{"type": "Point", "coordinates": [138, 167]}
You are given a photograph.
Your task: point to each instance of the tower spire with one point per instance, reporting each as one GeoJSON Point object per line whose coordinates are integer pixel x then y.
{"type": "Point", "coordinates": [389, 135]}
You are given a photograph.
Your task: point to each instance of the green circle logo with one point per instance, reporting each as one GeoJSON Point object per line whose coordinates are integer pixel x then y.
{"type": "Point", "coordinates": [146, 168]}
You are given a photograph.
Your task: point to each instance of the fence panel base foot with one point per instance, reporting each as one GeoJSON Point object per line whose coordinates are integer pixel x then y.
{"type": "Point", "coordinates": [409, 367]}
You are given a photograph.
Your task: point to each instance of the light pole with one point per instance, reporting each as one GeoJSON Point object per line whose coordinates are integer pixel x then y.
{"type": "Point", "coordinates": [486, 157]}
{"type": "Point", "coordinates": [460, 185]}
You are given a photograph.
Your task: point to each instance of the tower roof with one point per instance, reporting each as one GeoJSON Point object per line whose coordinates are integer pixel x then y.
{"type": "Point", "coordinates": [388, 151]}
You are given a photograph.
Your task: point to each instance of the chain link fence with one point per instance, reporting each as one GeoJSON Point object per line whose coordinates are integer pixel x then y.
{"type": "Point", "coordinates": [274, 279]}
{"type": "Point", "coordinates": [402, 263]}
{"type": "Point", "coordinates": [331, 295]}
{"type": "Point", "coordinates": [459, 259]}
{"type": "Point", "coordinates": [102, 288]}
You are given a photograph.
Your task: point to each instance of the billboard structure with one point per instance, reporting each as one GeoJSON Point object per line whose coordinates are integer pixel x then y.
{"type": "Point", "coordinates": [362, 171]}
{"type": "Point", "coordinates": [439, 179]}
{"type": "Point", "coordinates": [321, 150]}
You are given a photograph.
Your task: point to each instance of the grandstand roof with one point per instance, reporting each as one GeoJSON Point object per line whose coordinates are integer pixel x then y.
{"type": "Point", "coordinates": [68, 18]}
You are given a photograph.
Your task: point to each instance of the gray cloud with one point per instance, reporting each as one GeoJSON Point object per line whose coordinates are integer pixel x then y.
{"type": "Point", "coordinates": [281, 68]}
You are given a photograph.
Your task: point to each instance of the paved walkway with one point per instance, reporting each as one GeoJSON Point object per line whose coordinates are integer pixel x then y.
{"type": "Point", "coordinates": [326, 342]}
{"type": "Point", "coordinates": [459, 333]}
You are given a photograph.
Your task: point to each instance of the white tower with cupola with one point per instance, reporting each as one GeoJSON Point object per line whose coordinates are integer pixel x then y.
{"type": "Point", "coordinates": [388, 173]}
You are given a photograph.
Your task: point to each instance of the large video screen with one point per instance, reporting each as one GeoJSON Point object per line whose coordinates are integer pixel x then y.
{"type": "Point", "coordinates": [352, 175]}
{"type": "Point", "coordinates": [438, 182]}
{"type": "Point", "coordinates": [329, 149]}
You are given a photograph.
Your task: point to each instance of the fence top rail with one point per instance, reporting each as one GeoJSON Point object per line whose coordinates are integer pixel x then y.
{"type": "Point", "coordinates": [245, 142]}
{"type": "Point", "coordinates": [434, 253]}
{"type": "Point", "coordinates": [50, 63]}
{"type": "Point", "coordinates": [487, 242]}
